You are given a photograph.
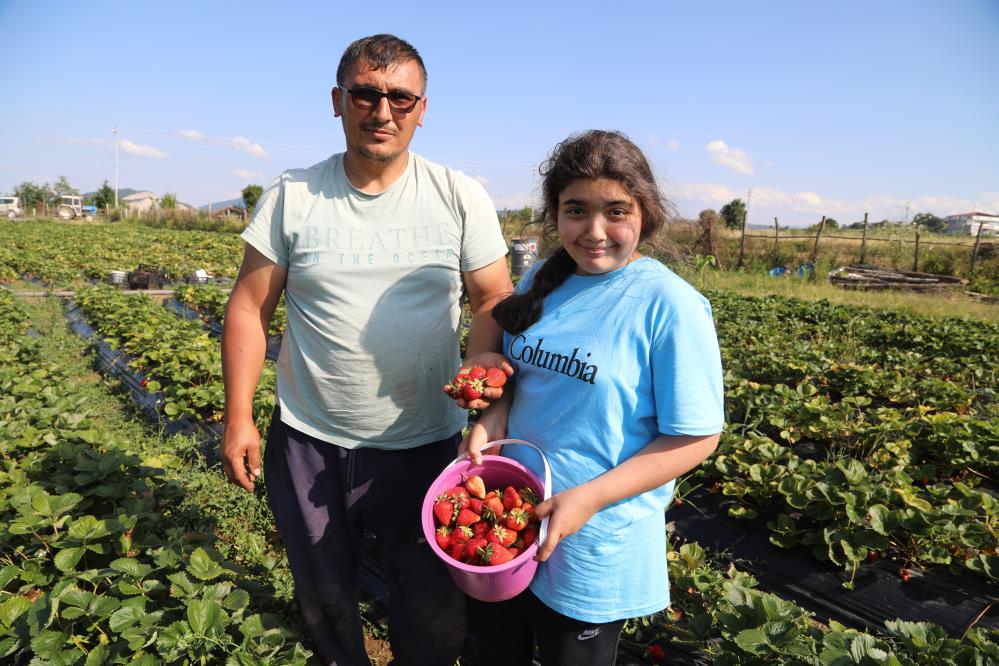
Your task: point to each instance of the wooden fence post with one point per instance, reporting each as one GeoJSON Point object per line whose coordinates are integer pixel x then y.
{"type": "Point", "coordinates": [815, 248]}
{"type": "Point", "coordinates": [863, 242]}
{"type": "Point", "coordinates": [915, 256]}
{"type": "Point", "coordinates": [776, 235]}
{"type": "Point", "coordinates": [742, 241]}
{"type": "Point", "coordinates": [974, 252]}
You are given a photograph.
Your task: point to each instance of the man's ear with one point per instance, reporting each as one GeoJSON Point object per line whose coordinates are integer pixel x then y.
{"type": "Point", "coordinates": [337, 95]}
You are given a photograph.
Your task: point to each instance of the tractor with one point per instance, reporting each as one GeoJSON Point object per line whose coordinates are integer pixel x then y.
{"type": "Point", "coordinates": [71, 207]}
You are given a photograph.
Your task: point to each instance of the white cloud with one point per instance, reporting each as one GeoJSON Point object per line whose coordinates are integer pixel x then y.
{"type": "Point", "coordinates": [708, 193]}
{"type": "Point", "coordinates": [808, 199]}
{"type": "Point", "coordinates": [481, 179]}
{"type": "Point", "coordinates": [769, 196]}
{"type": "Point", "coordinates": [673, 144]}
{"type": "Point", "coordinates": [194, 135]}
{"type": "Point", "coordinates": [141, 150]}
{"type": "Point", "coordinates": [730, 158]}
{"type": "Point", "coordinates": [249, 175]}
{"type": "Point", "coordinates": [244, 144]}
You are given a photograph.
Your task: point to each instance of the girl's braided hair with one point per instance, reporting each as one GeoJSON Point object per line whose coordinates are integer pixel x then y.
{"type": "Point", "coordinates": [588, 155]}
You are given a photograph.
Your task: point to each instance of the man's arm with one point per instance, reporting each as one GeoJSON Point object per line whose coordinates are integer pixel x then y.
{"type": "Point", "coordinates": [244, 344]}
{"type": "Point", "coordinates": [486, 287]}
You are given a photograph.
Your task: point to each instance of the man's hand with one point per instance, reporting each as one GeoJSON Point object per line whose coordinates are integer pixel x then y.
{"type": "Point", "coordinates": [489, 394]}
{"type": "Point", "coordinates": [240, 454]}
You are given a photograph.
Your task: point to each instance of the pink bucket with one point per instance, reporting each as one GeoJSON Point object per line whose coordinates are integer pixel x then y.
{"type": "Point", "coordinates": [506, 580]}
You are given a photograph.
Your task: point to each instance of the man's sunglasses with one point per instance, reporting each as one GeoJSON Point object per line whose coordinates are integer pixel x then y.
{"type": "Point", "coordinates": [366, 98]}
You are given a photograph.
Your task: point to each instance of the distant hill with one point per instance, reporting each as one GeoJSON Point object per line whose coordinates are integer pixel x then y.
{"type": "Point", "coordinates": [222, 204]}
{"type": "Point", "coordinates": [122, 192]}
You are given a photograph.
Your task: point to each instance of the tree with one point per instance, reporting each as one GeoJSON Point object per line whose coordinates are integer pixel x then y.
{"type": "Point", "coordinates": [168, 201]}
{"type": "Point", "coordinates": [708, 218]}
{"type": "Point", "coordinates": [32, 195]}
{"type": "Point", "coordinates": [930, 222]}
{"type": "Point", "coordinates": [251, 194]}
{"type": "Point", "coordinates": [104, 197]}
{"type": "Point", "coordinates": [831, 223]}
{"type": "Point", "coordinates": [63, 188]}
{"type": "Point", "coordinates": [734, 212]}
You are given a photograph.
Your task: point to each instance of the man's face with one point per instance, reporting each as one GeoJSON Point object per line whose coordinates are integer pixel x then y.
{"type": "Point", "coordinates": [380, 134]}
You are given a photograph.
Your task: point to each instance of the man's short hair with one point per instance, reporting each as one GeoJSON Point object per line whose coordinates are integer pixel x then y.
{"type": "Point", "coordinates": [379, 52]}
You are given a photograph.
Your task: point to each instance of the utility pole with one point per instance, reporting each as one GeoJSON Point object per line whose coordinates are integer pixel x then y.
{"type": "Point", "coordinates": [115, 131]}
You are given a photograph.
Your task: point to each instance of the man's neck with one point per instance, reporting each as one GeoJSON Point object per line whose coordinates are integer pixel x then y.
{"type": "Point", "coordinates": [373, 176]}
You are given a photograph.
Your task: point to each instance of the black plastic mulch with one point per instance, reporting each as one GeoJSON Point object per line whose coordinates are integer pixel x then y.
{"type": "Point", "coordinates": [953, 601]}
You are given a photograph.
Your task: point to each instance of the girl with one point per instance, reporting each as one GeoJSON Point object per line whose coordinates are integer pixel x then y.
{"type": "Point", "coordinates": [618, 380]}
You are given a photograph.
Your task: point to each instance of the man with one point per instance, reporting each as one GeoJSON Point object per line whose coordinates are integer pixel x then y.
{"type": "Point", "coordinates": [372, 249]}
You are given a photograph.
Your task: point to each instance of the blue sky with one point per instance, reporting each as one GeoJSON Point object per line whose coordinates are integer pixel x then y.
{"type": "Point", "coordinates": [837, 109]}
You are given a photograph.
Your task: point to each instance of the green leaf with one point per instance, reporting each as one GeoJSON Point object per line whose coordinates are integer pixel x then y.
{"type": "Point", "coordinates": [48, 643]}
{"type": "Point", "coordinates": [12, 609]}
{"type": "Point", "coordinates": [236, 600]}
{"type": "Point", "coordinates": [202, 566]}
{"type": "Point", "coordinates": [206, 617]}
{"type": "Point", "coordinates": [67, 558]}
{"type": "Point", "coordinates": [98, 656]}
{"type": "Point", "coordinates": [751, 640]}
{"type": "Point", "coordinates": [131, 566]}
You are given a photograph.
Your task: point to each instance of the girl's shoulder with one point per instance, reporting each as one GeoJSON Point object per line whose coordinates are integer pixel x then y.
{"type": "Point", "coordinates": [664, 285]}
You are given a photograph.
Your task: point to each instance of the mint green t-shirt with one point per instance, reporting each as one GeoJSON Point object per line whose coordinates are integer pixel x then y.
{"type": "Point", "coordinates": [373, 298]}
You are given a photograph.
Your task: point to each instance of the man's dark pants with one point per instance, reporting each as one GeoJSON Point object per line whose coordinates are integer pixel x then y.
{"type": "Point", "coordinates": [324, 497]}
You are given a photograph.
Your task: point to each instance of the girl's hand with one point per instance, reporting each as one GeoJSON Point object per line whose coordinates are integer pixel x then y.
{"type": "Point", "coordinates": [478, 436]}
{"type": "Point", "coordinates": [569, 509]}
{"type": "Point", "coordinates": [486, 360]}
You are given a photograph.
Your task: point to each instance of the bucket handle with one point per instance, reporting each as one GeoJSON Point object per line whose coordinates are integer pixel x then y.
{"type": "Point", "coordinates": [543, 529]}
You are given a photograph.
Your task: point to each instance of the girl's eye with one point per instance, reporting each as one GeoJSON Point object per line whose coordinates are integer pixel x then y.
{"type": "Point", "coordinates": [574, 210]}
{"type": "Point", "coordinates": [619, 212]}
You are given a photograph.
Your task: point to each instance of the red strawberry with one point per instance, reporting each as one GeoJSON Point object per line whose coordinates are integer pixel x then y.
{"type": "Point", "coordinates": [528, 508]}
{"type": "Point", "coordinates": [495, 377]}
{"type": "Point", "coordinates": [469, 392]}
{"type": "Point", "coordinates": [480, 528]}
{"type": "Point", "coordinates": [511, 498]}
{"type": "Point", "coordinates": [458, 551]}
{"type": "Point", "coordinates": [443, 536]}
{"type": "Point", "coordinates": [529, 535]}
{"type": "Point", "coordinates": [904, 574]}
{"type": "Point", "coordinates": [444, 510]}
{"type": "Point", "coordinates": [466, 517]}
{"type": "Point", "coordinates": [656, 652]}
{"type": "Point", "coordinates": [472, 546]}
{"type": "Point", "coordinates": [477, 372]}
{"type": "Point", "coordinates": [475, 486]}
{"type": "Point", "coordinates": [516, 520]}
{"type": "Point", "coordinates": [514, 551]}
{"type": "Point", "coordinates": [501, 535]}
{"type": "Point", "coordinates": [459, 495]}
{"type": "Point", "coordinates": [494, 554]}
{"type": "Point", "coordinates": [462, 534]}
{"type": "Point", "coordinates": [492, 508]}
{"type": "Point", "coordinates": [475, 504]}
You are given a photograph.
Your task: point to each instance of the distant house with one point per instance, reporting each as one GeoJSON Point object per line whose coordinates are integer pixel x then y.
{"type": "Point", "coordinates": [141, 201]}
{"type": "Point", "coordinates": [144, 201]}
{"type": "Point", "coordinates": [968, 223]}
{"type": "Point", "coordinates": [230, 211]}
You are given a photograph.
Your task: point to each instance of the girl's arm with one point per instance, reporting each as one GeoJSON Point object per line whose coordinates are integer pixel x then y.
{"type": "Point", "coordinates": [662, 460]}
{"type": "Point", "coordinates": [490, 427]}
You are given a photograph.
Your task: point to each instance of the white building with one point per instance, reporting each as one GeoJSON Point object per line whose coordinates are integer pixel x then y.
{"type": "Point", "coordinates": [968, 223]}
{"type": "Point", "coordinates": [143, 201]}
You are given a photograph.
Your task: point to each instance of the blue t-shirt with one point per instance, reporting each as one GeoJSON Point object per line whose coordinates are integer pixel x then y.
{"type": "Point", "coordinates": [614, 361]}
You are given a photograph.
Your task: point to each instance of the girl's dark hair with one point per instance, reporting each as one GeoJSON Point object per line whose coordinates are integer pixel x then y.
{"type": "Point", "coordinates": [589, 155]}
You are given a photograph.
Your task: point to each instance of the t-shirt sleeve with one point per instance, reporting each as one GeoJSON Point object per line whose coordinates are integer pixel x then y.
{"type": "Point", "coordinates": [266, 229]}
{"type": "Point", "coordinates": [482, 240]}
{"type": "Point", "coordinates": [687, 372]}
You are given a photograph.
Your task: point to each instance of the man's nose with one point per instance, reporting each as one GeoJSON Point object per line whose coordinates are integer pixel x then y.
{"type": "Point", "coordinates": [382, 110]}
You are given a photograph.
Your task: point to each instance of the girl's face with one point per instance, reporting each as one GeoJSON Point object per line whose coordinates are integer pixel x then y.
{"type": "Point", "coordinates": [599, 224]}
